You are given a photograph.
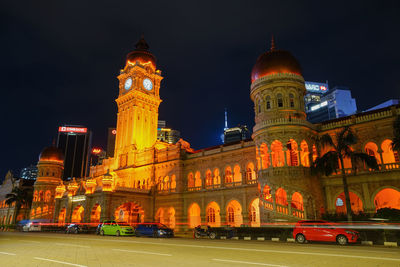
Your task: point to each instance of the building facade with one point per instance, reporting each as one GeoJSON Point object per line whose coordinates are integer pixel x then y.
{"type": "Point", "coordinates": [244, 183]}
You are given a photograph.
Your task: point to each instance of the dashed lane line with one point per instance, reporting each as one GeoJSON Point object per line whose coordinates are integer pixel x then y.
{"type": "Point", "coordinates": [250, 263]}
{"type": "Point", "coordinates": [71, 245]}
{"type": "Point", "coordinates": [61, 262]}
{"type": "Point", "coordinates": [7, 253]}
{"type": "Point", "coordinates": [142, 252]}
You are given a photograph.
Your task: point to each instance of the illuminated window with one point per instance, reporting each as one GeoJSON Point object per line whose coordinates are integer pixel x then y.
{"type": "Point", "coordinates": [259, 106]}
{"type": "Point", "coordinates": [211, 215]}
{"type": "Point", "coordinates": [228, 175]}
{"type": "Point", "coordinates": [280, 100]}
{"type": "Point", "coordinates": [209, 178]}
{"type": "Point", "coordinates": [277, 154]}
{"type": "Point", "coordinates": [268, 104]}
{"type": "Point", "coordinates": [291, 100]}
{"type": "Point", "coordinates": [291, 153]}
{"type": "Point", "coordinates": [194, 215]}
{"type": "Point", "coordinates": [231, 215]}
{"type": "Point", "coordinates": [281, 197]}
{"type": "Point", "coordinates": [190, 180]}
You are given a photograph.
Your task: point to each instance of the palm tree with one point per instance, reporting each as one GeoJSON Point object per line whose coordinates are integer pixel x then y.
{"type": "Point", "coordinates": [341, 149]}
{"type": "Point", "coordinates": [19, 197]}
{"type": "Point", "coordinates": [396, 133]}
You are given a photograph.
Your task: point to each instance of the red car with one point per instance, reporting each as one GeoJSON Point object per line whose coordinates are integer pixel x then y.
{"type": "Point", "coordinates": [323, 231]}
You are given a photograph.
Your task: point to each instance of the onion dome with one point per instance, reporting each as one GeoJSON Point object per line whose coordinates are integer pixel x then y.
{"type": "Point", "coordinates": [51, 153]}
{"type": "Point", "coordinates": [275, 61]}
{"type": "Point", "coordinates": [141, 54]}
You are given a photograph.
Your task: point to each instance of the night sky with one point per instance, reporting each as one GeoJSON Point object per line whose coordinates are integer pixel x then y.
{"type": "Point", "coordinates": [60, 59]}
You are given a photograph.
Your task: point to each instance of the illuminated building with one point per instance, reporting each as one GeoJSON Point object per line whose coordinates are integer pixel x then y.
{"type": "Point", "coordinates": [250, 182]}
{"type": "Point", "coordinates": [235, 134]}
{"type": "Point", "coordinates": [165, 134]}
{"type": "Point", "coordinates": [75, 142]}
{"type": "Point", "coordinates": [388, 103]}
{"type": "Point", "coordinates": [29, 173]}
{"type": "Point", "coordinates": [334, 104]}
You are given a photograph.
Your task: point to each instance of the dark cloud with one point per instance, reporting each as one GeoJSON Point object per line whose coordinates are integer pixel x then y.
{"type": "Point", "coordinates": [59, 60]}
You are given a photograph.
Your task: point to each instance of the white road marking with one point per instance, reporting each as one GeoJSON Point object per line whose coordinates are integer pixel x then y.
{"type": "Point", "coordinates": [259, 250]}
{"type": "Point", "coordinates": [250, 263]}
{"type": "Point", "coordinates": [240, 249]}
{"type": "Point", "coordinates": [142, 252]}
{"type": "Point", "coordinates": [61, 262]}
{"type": "Point", "coordinates": [7, 253]}
{"type": "Point", "coordinates": [71, 245]}
{"type": "Point", "coordinates": [29, 241]}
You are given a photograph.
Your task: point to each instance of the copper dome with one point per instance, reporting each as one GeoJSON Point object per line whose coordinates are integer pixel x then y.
{"type": "Point", "coordinates": [141, 54]}
{"type": "Point", "coordinates": [51, 153]}
{"type": "Point", "coordinates": [275, 61]}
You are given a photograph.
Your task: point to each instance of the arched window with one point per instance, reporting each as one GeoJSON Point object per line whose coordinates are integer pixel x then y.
{"type": "Point", "coordinates": [209, 178]}
{"type": "Point", "coordinates": [228, 175]}
{"type": "Point", "coordinates": [41, 196]}
{"type": "Point", "coordinates": [291, 100]}
{"type": "Point", "coordinates": [304, 154]}
{"type": "Point", "coordinates": [277, 155]}
{"type": "Point", "coordinates": [292, 153]}
{"type": "Point", "coordinates": [372, 150]}
{"type": "Point", "coordinates": [250, 173]}
{"type": "Point", "coordinates": [264, 156]}
{"type": "Point", "coordinates": [173, 182]}
{"type": "Point", "coordinates": [197, 179]}
{"type": "Point", "coordinates": [231, 215]}
{"type": "Point", "coordinates": [254, 216]}
{"type": "Point", "coordinates": [194, 215]}
{"type": "Point", "coordinates": [211, 215]}
{"type": "Point", "coordinates": [217, 178]}
{"type": "Point", "coordinates": [166, 183]}
{"type": "Point", "coordinates": [259, 106]}
{"type": "Point", "coordinates": [237, 175]}
{"type": "Point", "coordinates": [281, 197]}
{"type": "Point", "coordinates": [388, 155]}
{"type": "Point", "coordinates": [280, 100]}
{"type": "Point", "coordinates": [234, 213]}
{"type": "Point", "coordinates": [268, 102]}
{"type": "Point", "coordinates": [190, 180]}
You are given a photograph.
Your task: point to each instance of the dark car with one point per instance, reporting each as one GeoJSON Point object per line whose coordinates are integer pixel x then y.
{"type": "Point", "coordinates": [154, 230]}
{"type": "Point", "coordinates": [323, 231]}
{"type": "Point", "coordinates": [74, 229]}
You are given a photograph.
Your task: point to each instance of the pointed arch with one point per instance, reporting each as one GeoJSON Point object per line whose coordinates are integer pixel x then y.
{"type": "Point", "coordinates": [194, 215]}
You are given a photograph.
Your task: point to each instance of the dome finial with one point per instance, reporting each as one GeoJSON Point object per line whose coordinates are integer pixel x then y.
{"type": "Point", "coordinates": [272, 43]}
{"type": "Point", "coordinates": [142, 44]}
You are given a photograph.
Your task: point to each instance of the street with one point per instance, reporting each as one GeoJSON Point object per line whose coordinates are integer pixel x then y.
{"type": "Point", "coordinates": [54, 249]}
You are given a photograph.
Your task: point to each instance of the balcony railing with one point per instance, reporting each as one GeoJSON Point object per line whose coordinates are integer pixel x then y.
{"type": "Point", "coordinates": [382, 168]}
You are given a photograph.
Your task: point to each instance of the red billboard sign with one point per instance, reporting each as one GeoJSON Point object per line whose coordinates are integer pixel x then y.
{"type": "Point", "coordinates": [66, 129]}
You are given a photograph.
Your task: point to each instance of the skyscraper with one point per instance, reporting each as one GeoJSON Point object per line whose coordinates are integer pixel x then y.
{"type": "Point", "coordinates": [75, 143]}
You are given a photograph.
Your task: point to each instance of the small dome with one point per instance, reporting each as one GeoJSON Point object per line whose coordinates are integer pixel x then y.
{"type": "Point", "coordinates": [273, 62]}
{"type": "Point", "coordinates": [141, 54]}
{"type": "Point", "coordinates": [51, 153]}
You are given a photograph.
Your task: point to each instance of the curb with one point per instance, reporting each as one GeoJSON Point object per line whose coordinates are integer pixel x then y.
{"type": "Point", "coordinates": [390, 244]}
{"type": "Point", "coordinates": [367, 243]}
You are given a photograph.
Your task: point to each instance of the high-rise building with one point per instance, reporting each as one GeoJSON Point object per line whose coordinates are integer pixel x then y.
{"type": "Point", "coordinates": [29, 173]}
{"type": "Point", "coordinates": [329, 105]}
{"type": "Point", "coordinates": [112, 132]}
{"type": "Point", "coordinates": [165, 134]}
{"type": "Point", "coordinates": [75, 143]}
{"type": "Point", "coordinates": [235, 134]}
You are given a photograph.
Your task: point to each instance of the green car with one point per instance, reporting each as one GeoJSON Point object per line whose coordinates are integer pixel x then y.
{"type": "Point", "coordinates": [114, 228]}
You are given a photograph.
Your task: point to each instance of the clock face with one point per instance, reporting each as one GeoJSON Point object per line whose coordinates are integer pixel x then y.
{"type": "Point", "coordinates": [147, 84]}
{"type": "Point", "coordinates": [128, 83]}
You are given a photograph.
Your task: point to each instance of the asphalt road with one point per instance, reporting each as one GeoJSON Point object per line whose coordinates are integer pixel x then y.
{"type": "Point", "coordinates": [50, 249]}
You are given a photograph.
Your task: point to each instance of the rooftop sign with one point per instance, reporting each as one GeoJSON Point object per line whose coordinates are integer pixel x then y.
{"type": "Point", "coordinates": [317, 87]}
{"type": "Point", "coordinates": [66, 129]}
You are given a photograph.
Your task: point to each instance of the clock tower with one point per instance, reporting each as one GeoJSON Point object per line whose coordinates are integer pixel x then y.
{"type": "Point", "coordinates": [138, 101]}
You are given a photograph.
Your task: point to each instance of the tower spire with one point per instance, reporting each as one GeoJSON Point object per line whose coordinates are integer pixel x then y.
{"type": "Point", "coordinates": [272, 43]}
{"type": "Point", "coordinates": [226, 120]}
